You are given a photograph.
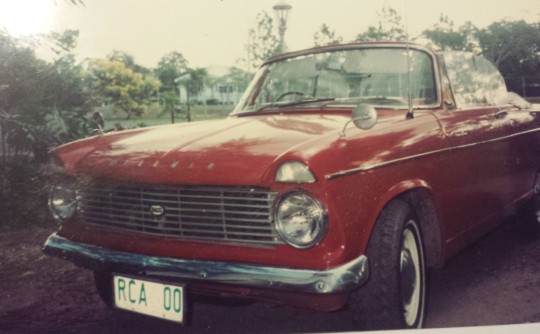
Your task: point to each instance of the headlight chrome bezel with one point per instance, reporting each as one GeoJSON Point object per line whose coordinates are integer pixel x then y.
{"type": "Point", "coordinates": [320, 221]}
{"type": "Point", "coordinates": [63, 199]}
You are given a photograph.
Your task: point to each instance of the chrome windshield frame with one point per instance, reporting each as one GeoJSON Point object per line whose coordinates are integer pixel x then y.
{"type": "Point", "coordinates": [239, 109]}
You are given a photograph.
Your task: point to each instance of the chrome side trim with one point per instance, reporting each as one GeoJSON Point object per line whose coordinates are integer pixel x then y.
{"type": "Point", "coordinates": [340, 279]}
{"type": "Point", "coordinates": [382, 164]}
{"type": "Point", "coordinates": [421, 155]}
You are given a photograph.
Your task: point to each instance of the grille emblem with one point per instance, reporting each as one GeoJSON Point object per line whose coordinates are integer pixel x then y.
{"type": "Point", "coordinates": [157, 210]}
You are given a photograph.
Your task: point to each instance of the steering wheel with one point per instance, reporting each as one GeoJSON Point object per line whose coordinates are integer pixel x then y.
{"type": "Point", "coordinates": [291, 93]}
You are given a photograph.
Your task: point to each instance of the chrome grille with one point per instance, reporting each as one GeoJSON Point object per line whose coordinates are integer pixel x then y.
{"type": "Point", "coordinates": [232, 214]}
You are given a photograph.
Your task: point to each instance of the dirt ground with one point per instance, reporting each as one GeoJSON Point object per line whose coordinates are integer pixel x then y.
{"type": "Point", "coordinates": [495, 281]}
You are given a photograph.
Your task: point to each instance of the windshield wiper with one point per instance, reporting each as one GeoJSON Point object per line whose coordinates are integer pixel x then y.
{"type": "Point", "coordinates": [295, 103]}
{"type": "Point", "coordinates": [288, 104]}
{"type": "Point", "coordinates": [385, 100]}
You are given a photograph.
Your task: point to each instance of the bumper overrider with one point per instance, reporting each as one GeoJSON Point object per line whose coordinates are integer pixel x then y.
{"type": "Point", "coordinates": [346, 277]}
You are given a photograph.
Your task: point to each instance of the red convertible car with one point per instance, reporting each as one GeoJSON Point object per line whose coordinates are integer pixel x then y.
{"type": "Point", "coordinates": [342, 174]}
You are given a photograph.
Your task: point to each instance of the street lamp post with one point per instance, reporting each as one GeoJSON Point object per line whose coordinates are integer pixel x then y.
{"type": "Point", "coordinates": [282, 11]}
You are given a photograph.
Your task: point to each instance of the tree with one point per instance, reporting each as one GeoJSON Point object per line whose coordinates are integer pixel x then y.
{"type": "Point", "coordinates": [69, 87]}
{"type": "Point", "coordinates": [389, 28]}
{"type": "Point", "coordinates": [32, 90]}
{"type": "Point", "coordinates": [326, 36]}
{"type": "Point", "coordinates": [41, 105]}
{"type": "Point", "coordinates": [128, 60]}
{"type": "Point", "coordinates": [65, 119]}
{"type": "Point", "coordinates": [444, 36]}
{"type": "Point", "coordinates": [112, 82]}
{"type": "Point", "coordinates": [170, 67]}
{"type": "Point", "coordinates": [238, 77]}
{"type": "Point", "coordinates": [193, 81]}
{"type": "Point", "coordinates": [169, 103]}
{"type": "Point", "coordinates": [514, 47]}
{"type": "Point", "coordinates": [64, 42]}
{"type": "Point", "coordinates": [263, 42]}
{"type": "Point", "coordinates": [505, 40]}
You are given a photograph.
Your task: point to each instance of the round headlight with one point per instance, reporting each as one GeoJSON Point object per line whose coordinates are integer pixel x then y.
{"type": "Point", "coordinates": [63, 199]}
{"type": "Point", "coordinates": [300, 220]}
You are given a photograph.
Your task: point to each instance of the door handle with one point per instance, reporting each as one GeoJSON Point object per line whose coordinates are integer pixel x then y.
{"type": "Point", "coordinates": [500, 114]}
{"type": "Point", "coordinates": [460, 133]}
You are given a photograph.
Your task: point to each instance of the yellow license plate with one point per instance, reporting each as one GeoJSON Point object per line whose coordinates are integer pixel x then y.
{"type": "Point", "coordinates": [159, 300]}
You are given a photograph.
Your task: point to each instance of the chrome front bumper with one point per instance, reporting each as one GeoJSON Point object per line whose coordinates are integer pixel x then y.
{"type": "Point", "coordinates": [344, 278]}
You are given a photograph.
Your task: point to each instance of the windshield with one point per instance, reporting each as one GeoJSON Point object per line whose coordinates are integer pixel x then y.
{"type": "Point", "coordinates": [377, 76]}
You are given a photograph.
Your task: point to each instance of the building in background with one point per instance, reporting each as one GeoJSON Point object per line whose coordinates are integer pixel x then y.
{"type": "Point", "coordinates": [224, 85]}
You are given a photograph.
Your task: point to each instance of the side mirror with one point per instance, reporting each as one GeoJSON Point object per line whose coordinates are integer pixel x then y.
{"type": "Point", "coordinates": [364, 116]}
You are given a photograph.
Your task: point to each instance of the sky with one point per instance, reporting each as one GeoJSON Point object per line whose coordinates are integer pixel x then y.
{"type": "Point", "coordinates": [215, 32]}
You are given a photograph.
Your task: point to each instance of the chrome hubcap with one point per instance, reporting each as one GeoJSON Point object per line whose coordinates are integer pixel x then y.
{"type": "Point", "coordinates": [410, 276]}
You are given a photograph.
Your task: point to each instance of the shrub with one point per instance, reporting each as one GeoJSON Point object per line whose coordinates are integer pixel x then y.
{"type": "Point", "coordinates": [23, 194]}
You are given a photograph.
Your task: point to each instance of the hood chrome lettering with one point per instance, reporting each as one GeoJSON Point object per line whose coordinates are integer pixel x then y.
{"type": "Point", "coordinates": [157, 163]}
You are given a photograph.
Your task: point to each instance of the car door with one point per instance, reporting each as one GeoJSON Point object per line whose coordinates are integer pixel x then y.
{"type": "Point", "coordinates": [523, 148]}
{"type": "Point", "coordinates": [478, 132]}
{"type": "Point", "coordinates": [478, 173]}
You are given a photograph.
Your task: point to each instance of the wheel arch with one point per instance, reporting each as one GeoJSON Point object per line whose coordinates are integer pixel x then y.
{"type": "Point", "coordinates": [419, 195]}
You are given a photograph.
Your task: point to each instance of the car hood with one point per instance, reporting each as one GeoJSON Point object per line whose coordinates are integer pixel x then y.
{"type": "Point", "coordinates": [237, 150]}
{"type": "Point", "coordinates": [232, 151]}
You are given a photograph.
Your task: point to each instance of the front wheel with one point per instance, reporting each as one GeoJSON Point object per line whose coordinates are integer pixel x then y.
{"type": "Point", "coordinates": [395, 295]}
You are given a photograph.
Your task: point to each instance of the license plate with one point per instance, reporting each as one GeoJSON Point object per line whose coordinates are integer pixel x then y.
{"type": "Point", "coordinates": [159, 300]}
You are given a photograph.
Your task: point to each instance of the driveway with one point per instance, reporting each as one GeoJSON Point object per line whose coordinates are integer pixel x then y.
{"type": "Point", "coordinates": [495, 281]}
